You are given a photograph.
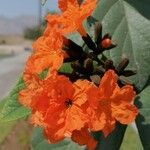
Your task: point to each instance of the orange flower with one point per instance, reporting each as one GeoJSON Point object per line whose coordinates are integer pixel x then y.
{"type": "Point", "coordinates": [57, 105]}
{"type": "Point", "coordinates": [113, 103]}
{"type": "Point", "coordinates": [63, 4]}
{"type": "Point", "coordinates": [83, 137]}
{"type": "Point", "coordinates": [48, 53]}
{"type": "Point", "coordinates": [68, 113]}
{"type": "Point", "coordinates": [32, 84]}
{"type": "Point", "coordinates": [72, 17]}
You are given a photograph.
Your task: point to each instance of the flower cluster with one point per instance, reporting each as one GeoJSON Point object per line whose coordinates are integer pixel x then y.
{"type": "Point", "coordinates": [74, 104]}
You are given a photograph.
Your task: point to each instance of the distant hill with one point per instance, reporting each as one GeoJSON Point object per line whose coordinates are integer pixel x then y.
{"type": "Point", "coordinates": [16, 25]}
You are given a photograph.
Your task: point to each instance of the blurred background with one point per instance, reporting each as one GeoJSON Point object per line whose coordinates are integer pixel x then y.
{"type": "Point", "coordinates": [21, 22]}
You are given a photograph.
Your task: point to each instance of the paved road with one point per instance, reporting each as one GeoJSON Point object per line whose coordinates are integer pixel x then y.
{"type": "Point", "coordinates": [10, 70]}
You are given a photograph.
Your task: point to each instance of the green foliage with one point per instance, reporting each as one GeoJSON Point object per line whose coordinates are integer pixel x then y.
{"type": "Point", "coordinates": [131, 140]}
{"type": "Point", "coordinates": [143, 120]}
{"type": "Point", "coordinates": [114, 139]}
{"type": "Point", "coordinates": [130, 30]}
{"type": "Point", "coordinates": [38, 143]}
{"type": "Point", "coordinates": [5, 127]}
{"type": "Point", "coordinates": [12, 110]}
{"type": "Point", "coordinates": [66, 68]}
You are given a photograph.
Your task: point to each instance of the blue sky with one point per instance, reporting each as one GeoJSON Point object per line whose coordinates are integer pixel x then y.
{"type": "Point", "coordinates": [12, 8]}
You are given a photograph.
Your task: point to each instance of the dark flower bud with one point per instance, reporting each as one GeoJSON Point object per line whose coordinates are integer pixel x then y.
{"type": "Point", "coordinates": [88, 65]}
{"type": "Point", "coordinates": [124, 81]}
{"type": "Point", "coordinates": [109, 65]}
{"type": "Point", "coordinates": [89, 42]}
{"type": "Point", "coordinates": [73, 50]}
{"type": "Point", "coordinates": [128, 73]}
{"type": "Point", "coordinates": [122, 65]}
{"type": "Point", "coordinates": [98, 32]}
{"type": "Point", "coordinates": [99, 70]}
{"type": "Point", "coordinates": [77, 67]}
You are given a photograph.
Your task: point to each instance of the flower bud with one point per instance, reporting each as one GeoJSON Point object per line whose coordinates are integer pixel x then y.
{"type": "Point", "coordinates": [122, 65]}
{"type": "Point", "coordinates": [77, 67]}
{"type": "Point", "coordinates": [109, 65]}
{"type": "Point", "coordinates": [88, 64]}
{"type": "Point", "coordinates": [98, 32]}
{"type": "Point", "coordinates": [73, 50]}
{"type": "Point", "coordinates": [106, 43]}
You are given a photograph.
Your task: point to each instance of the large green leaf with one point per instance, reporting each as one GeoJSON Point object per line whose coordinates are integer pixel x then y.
{"type": "Point", "coordinates": [128, 139]}
{"type": "Point", "coordinates": [114, 139]}
{"type": "Point", "coordinates": [5, 127]}
{"type": "Point", "coordinates": [38, 143]}
{"type": "Point", "coordinates": [143, 119]}
{"type": "Point", "coordinates": [128, 23]}
{"type": "Point", "coordinates": [12, 110]}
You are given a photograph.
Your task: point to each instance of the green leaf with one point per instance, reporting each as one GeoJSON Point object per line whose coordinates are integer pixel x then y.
{"type": "Point", "coordinates": [129, 24]}
{"type": "Point", "coordinates": [129, 137]}
{"type": "Point", "coordinates": [5, 127]}
{"type": "Point", "coordinates": [66, 68]}
{"type": "Point", "coordinates": [43, 74]}
{"type": "Point", "coordinates": [38, 143]}
{"type": "Point", "coordinates": [143, 119]}
{"type": "Point", "coordinates": [12, 110]}
{"type": "Point", "coordinates": [76, 38]}
{"type": "Point", "coordinates": [114, 139]}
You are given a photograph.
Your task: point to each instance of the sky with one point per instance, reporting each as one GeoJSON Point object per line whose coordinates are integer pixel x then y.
{"type": "Point", "coordinates": [13, 8]}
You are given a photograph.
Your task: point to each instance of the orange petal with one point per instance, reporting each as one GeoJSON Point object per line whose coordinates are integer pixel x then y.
{"type": "Point", "coordinates": [37, 119]}
{"type": "Point", "coordinates": [39, 44]}
{"type": "Point", "coordinates": [73, 16]}
{"type": "Point", "coordinates": [40, 101]}
{"type": "Point", "coordinates": [53, 135]}
{"type": "Point", "coordinates": [82, 31]}
{"type": "Point", "coordinates": [108, 83]}
{"type": "Point", "coordinates": [126, 93]}
{"type": "Point", "coordinates": [32, 83]}
{"type": "Point", "coordinates": [109, 126]}
{"type": "Point", "coordinates": [63, 4]}
{"type": "Point", "coordinates": [54, 21]}
{"type": "Point", "coordinates": [87, 7]}
{"type": "Point", "coordinates": [97, 120]}
{"type": "Point", "coordinates": [83, 137]}
{"type": "Point", "coordinates": [41, 61]}
{"type": "Point", "coordinates": [81, 91]}
{"type": "Point", "coordinates": [75, 118]}
{"type": "Point", "coordinates": [124, 112]}
{"type": "Point", "coordinates": [55, 115]}
{"type": "Point", "coordinates": [25, 97]}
